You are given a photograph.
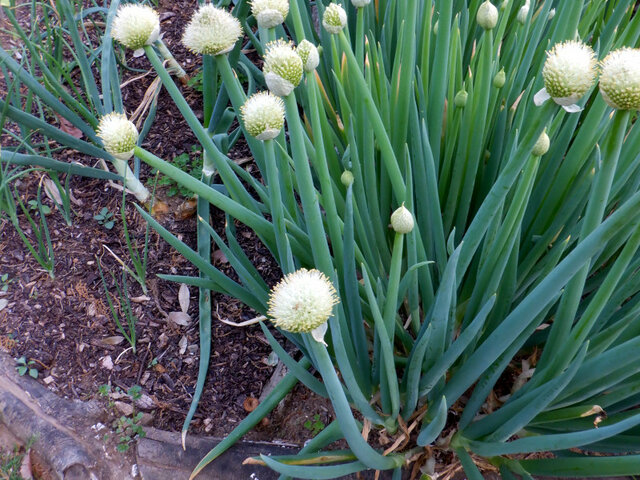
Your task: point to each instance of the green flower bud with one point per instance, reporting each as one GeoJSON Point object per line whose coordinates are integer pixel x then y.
{"type": "Point", "coordinates": [402, 220]}
{"type": "Point", "coordinates": [435, 27]}
{"type": "Point", "coordinates": [542, 145]}
{"type": "Point", "coordinates": [270, 13]}
{"type": "Point", "coordinates": [212, 31]}
{"type": "Point", "coordinates": [118, 134]}
{"type": "Point", "coordinates": [309, 55]}
{"type": "Point", "coordinates": [302, 302]}
{"type": "Point", "coordinates": [460, 100]}
{"type": "Point", "coordinates": [135, 26]}
{"type": "Point", "coordinates": [499, 79]}
{"type": "Point", "coordinates": [620, 79]}
{"type": "Point", "coordinates": [282, 68]}
{"type": "Point", "coordinates": [360, 3]}
{"type": "Point", "coordinates": [334, 19]}
{"type": "Point", "coordinates": [487, 16]}
{"type": "Point", "coordinates": [346, 178]}
{"type": "Point", "coordinates": [263, 115]}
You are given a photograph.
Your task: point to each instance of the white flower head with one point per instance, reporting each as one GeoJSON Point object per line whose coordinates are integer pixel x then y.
{"type": "Point", "coordinates": [212, 31]}
{"type": "Point", "coordinates": [542, 145]}
{"type": "Point", "coordinates": [620, 79]}
{"type": "Point", "coordinates": [334, 18]}
{"type": "Point", "coordinates": [402, 220]}
{"type": "Point", "coordinates": [309, 55]}
{"type": "Point", "coordinates": [569, 72]}
{"type": "Point", "coordinates": [263, 115]}
{"type": "Point", "coordinates": [487, 16]}
{"type": "Point", "coordinates": [282, 68]}
{"type": "Point", "coordinates": [270, 13]}
{"type": "Point", "coordinates": [118, 134]}
{"type": "Point", "coordinates": [302, 302]}
{"type": "Point", "coordinates": [135, 26]}
{"type": "Point", "coordinates": [360, 3]}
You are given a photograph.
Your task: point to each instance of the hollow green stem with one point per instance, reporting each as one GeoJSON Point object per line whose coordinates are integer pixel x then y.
{"type": "Point", "coordinates": [218, 160]}
{"type": "Point", "coordinates": [352, 434]}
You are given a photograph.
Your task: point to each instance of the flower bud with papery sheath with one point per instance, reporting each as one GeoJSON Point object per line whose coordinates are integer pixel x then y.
{"type": "Point", "coordinates": [487, 16]}
{"type": "Point", "coordinates": [620, 79]}
{"type": "Point", "coordinates": [212, 31]}
{"type": "Point", "coordinates": [542, 145]}
{"type": "Point", "coordinates": [402, 220]}
{"type": "Point", "coordinates": [302, 301]}
{"type": "Point", "coordinates": [118, 134]}
{"type": "Point", "coordinates": [460, 100]}
{"type": "Point", "coordinates": [263, 115]}
{"type": "Point", "coordinates": [270, 13]}
{"type": "Point", "coordinates": [282, 68]}
{"type": "Point", "coordinates": [135, 26]}
{"type": "Point", "coordinates": [334, 19]}
{"type": "Point", "coordinates": [499, 79]}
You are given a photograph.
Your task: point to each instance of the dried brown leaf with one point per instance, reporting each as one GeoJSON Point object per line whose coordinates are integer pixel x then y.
{"type": "Point", "coordinates": [183, 297]}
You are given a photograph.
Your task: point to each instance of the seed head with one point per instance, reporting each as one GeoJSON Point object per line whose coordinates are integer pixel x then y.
{"type": "Point", "coordinates": [542, 145]}
{"type": "Point", "coordinates": [302, 301]}
{"type": "Point", "coordinates": [212, 31]}
{"type": "Point", "coordinates": [487, 16]}
{"type": "Point", "coordinates": [620, 79]}
{"type": "Point", "coordinates": [360, 3]}
{"type": "Point", "coordinates": [569, 71]}
{"type": "Point", "coordinates": [282, 68]}
{"type": "Point", "coordinates": [402, 220]}
{"type": "Point", "coordinates": [118, 134]}
{"type": "Point", "coordinates": [334, 19]}
{"type": "Point", "coordinates": [270, 13]}
{"type": "Point", "coordinates": [309, 55]}
{"type": "Point", "coordinates": [263, 115]}
{"type": "Point", "coordinates": [135, 26]}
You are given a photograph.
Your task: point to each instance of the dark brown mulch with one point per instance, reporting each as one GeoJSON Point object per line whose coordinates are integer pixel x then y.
{"type": "Point", "coordinates": [64, 324]}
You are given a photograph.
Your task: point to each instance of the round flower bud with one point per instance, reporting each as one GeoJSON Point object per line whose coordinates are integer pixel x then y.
{"type": "Point", "coordinates": [402, 220]}
{"type": "Point", "coordinates": [360, 3]}
{"type": "Point", "coordinates": [523, 13]}
{"type": "Point", "coordinates": [334, 19]}
{"type": "Point", "coordinates": [487, 16]}
{"type": "Point", "coordinates": [542, 145]}
{"type": "Point", "coordinates": [282, 68]}
{"type": "Point", "coordinates": [569, 71]}
{"type": "Point", "coordinates": [499, 79]}
{"type": "Point", "coordinates": [263, 115]}
{"type": "Point", "coordinates": [270, 13]}
{"type": "Point", "coordinates": [212, 31]}
{"type": "Point", "coordinates": [504, 5]}
{"type": "Point", "coordinates": [309, 55]}
{"type": "Point", "coordinates": [620, 79]}
{"type": "Point", "coordinates": [135, 26]}
{"type": "Point", "coordinates": [435, 27]}
{"type": "Point", "coordinates": [302, 301]}
{"type": "Point", "coordinates": [460, 100]}
{"type": "Point", "coordinates": [552, 13]}
{"type": "Point", "coordinates": [118, 134]}
{"type": "Point", "coordinates": [346, 178]}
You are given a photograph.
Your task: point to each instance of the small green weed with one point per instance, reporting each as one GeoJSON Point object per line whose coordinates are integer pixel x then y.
{"type": "Point", "coordinates": [105, 218]}
{"type": "Point", "coordinates": [195, 81]}
{"type": "Point", "coordinates": [316, 426]}
{"type": "Point", "coordinates": [187, 162]}
{"type": "Point", "coordinates": [33, 205]}
{"type": "Point", "coordinates": [127, 428]}
{"type": "Point", "coordinates": [10, 462]}
{"type": "Point", "coordinates": [23, 367]}
{"type": "Point", "coordinates": [4, 282]}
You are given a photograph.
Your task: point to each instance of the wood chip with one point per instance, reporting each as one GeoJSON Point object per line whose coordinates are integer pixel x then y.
{"type": "Point", "coordinates": [183, 345]}
{"type": "Point", "coordinates": [107, 362]}
{"type": "Point", "coordinates": [180, 318]}
{"type": "Point", "coordinates": [183, 297]}
{"type": "Point", "coordinates": [115, 340]}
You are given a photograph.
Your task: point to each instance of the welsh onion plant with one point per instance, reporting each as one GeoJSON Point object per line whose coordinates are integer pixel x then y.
{"type": "Point", "coordinates": [512, 189]}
